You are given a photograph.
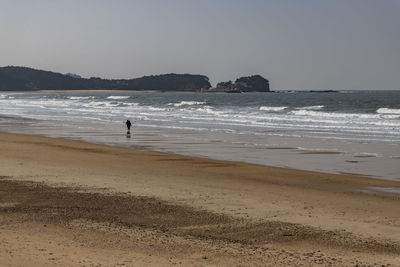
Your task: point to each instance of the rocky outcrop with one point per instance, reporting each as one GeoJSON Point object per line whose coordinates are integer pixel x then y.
{"type": "Point", "coordinates": [255, 83]}
{"type": "Point", "coordinates": [224, 86]}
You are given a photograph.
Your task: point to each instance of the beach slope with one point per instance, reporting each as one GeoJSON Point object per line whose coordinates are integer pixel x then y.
{"type": "Point", "coordinates": [71, 203]}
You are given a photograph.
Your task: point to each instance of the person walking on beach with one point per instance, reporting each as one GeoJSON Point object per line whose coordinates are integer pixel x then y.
{"type": "Point", "coordinates": [128, 125]}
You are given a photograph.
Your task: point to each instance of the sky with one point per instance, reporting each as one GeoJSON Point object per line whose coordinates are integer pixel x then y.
{"type": "Point", "coordinates": [296, 44]}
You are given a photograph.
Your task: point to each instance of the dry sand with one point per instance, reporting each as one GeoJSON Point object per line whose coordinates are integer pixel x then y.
{"type": "Point", "coordinates": [71, 203]}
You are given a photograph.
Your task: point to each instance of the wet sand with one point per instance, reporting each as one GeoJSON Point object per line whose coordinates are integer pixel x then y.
{"type": "Point", "coordinates": [65, 202]}
{"type": "Point", "coordinates": [321, 152]}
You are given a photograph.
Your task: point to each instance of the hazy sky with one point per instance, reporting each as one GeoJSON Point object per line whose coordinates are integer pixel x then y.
{"type": "Point", "coordinates": [296, 44]}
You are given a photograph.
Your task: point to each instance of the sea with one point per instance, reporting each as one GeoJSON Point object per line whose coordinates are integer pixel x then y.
{"type": "Point", "coordinates": [356, 132]}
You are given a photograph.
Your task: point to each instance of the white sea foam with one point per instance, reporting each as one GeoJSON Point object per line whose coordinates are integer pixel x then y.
{"type": "Point", "coordinates": [6, 97]}
{"type": "Point", "coordinates": [187, 103]}
{"type": "Point", "coordinates": [80, 97]}
{"type": "Point", "coordinates": [102, 104]}
{"type": "Point", "coordinates": [261, 117]}
{"type": "Point", "coordinates": [155, 109]}
{"type": "Point", "coordinates": [390, 116]}
{"type": "Point", "coordinates": [208, 110]}
{"type": "Point", "coordinates": [118, 97]}
{"type": "Point", "coordinates": [318, 107]}
{"type": "Point", "coordinates": [367, 154]}
{"type": "Point", "coordinates": [303, 112]}
{"type": "Point", "coordinates": [273, 109]}
{"type": "Point", "coordinates": [317, 149]}
{"type": "Point", "coordinates": [388, 111]}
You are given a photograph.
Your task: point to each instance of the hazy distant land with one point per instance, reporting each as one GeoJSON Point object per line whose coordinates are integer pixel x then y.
{"type": "Point", "coordinates": [27, 79]}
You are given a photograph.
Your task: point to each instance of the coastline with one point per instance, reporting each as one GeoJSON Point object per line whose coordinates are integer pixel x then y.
{"type": "Point", "coordinates": [342, 222]}
{"type": "Point", "coordinates": [259, 130]}
{"type": "Point", "coordinates": [104, 91]}
{"type": "Point", "coordinates": [98, 91]}
{"type": "Point", "coordinates": [87, 91]}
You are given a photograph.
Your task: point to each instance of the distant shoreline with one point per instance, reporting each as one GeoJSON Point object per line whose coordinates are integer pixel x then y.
{"type": "Point", "coordinates": [100, 91]}
{"type": "Point", "coordinates": [16, 78]}
{"type": "Point", "coordinates": [161, 91]}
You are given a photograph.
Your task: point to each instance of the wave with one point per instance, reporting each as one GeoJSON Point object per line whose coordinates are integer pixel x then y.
{"type": "Point", "coordinates": [353, 116]}
{"type": "Point", "coordinates": [390, 116]}
{"type": "Point", "coordinates": [388, 111]}
{"type": "Point", "coordinates": [210, 110]}
{"type": "Point", "coordinates": [187, 103]}
{"type": "Point", "coordinates": [303, 112]}
{"type": "Point", "coordinates": [150, 108]}
{"type": "Point", "coordinates": [6, 97]}
{"type": "Point", "coordinates": [102, 104]}
{"type": "Point", "coordinates": [319, 107]}
{"type": "Point", "coordinates": [80, 97]}
{"type": "Point", "coordinates": [118, 97]}
{"type": "Point", "coordinates": [274, 109]}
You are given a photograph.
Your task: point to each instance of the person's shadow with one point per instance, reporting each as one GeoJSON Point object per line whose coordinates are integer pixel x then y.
{"type": "Point", "coordinates": [128, 134]}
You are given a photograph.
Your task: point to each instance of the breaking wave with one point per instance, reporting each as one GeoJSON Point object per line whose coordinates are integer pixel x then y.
{"type": "Point", "coordinates": [388, 111]}
{"type": "Point", "coordinates": [118, 97]}
{"type": "Point", "coordinates": [319, 107]}
{"type": "Point", "coordinates": [187, 103]}
{"type": "Point", "coordinates": [80, 97]}
{"type": "Point", "coordinates": [273, 109]}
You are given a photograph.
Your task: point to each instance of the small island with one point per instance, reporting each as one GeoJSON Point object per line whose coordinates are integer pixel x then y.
{"type": "Point", "coordinates": [255, 83]}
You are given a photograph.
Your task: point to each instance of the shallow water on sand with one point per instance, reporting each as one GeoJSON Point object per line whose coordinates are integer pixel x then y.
{"type": "Point", "coordinates": [379, 160]}
{"type": "Point", "coordinates": [302, 131]}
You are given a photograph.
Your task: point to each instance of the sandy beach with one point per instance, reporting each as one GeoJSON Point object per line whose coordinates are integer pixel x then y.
{"type": "Point", "coordinates": [71, 203]}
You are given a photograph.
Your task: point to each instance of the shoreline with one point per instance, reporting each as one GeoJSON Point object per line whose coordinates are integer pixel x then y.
{"type": "Point", "coordinates": [105, 91]}
{"type": "Point", "coordinates": [85, 91]}
{"type": "Point", "coordinates": [308, 157]}
{"type": "Point", "coordinates": [96, 117]}
{"type": "Point", "coordinates": [356, 180]}
{"type": "Point", "coordinates": [322, 213]}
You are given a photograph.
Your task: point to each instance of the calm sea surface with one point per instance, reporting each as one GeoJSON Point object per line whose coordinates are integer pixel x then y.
{"type": "Point", "coordinates": [280, 129]}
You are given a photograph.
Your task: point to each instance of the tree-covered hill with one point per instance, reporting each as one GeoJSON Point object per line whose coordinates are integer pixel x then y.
{"type": "Point", "coordinates": [255, 83]}
{"type": "Point", "coordinates": [28, 79]}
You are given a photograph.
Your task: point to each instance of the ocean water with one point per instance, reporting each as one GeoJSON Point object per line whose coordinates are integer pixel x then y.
{"type": "Point", "coordinates": [359, 129]}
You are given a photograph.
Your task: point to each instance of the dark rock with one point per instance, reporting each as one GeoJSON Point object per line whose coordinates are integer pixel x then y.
{"type": "Point", "coordinates": [255, 83]}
